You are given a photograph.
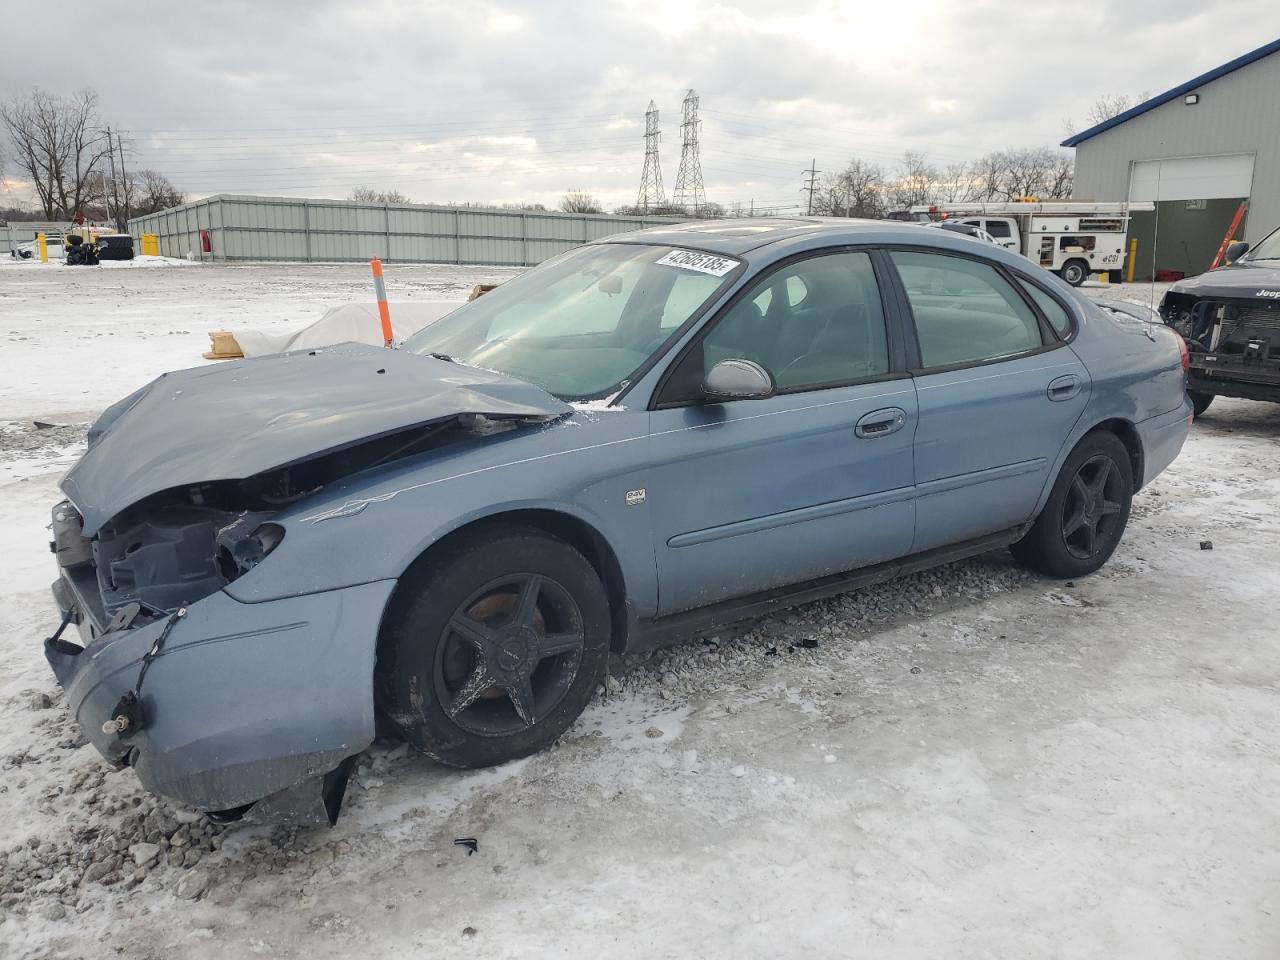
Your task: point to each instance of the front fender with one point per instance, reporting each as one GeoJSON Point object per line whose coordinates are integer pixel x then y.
{"type": "Point", "coordinates": [375, 529]}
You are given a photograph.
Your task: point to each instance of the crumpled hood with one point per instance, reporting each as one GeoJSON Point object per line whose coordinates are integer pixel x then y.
{"type": "Point", "coordinates": [1241, 280]}
{"type": "Point", "coordinates": [238, 419]}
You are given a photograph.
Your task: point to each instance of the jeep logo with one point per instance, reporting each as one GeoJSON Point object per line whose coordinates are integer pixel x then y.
{"type": "Point", "coordinates": [1269, 294]}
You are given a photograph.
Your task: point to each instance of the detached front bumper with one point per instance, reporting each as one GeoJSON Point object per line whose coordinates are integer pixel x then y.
{"type": "Point", "coordinates": [245, 700]}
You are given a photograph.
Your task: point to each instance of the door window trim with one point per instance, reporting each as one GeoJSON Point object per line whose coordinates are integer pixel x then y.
{"type": "Point", "coordinates": [895, 339]}
{"type": "Point", "coordinates": [914, 361]}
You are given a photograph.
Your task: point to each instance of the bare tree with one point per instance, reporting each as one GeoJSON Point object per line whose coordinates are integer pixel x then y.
{"type": "Point", "coordinates": [1112, 105]}
{"type": "Point", "coordinates": [954, 184]}
{"type": "Point", "coordinates": [915, 181]}
{"type": "Point", "coordinates": [370, 195]}
{"type": "Point", "coordinates": [151, 191]}
{"type": "Point", "coordinates": [576, 201]}
{"type": "Point", "coordinates": [987, 178]}
{"type": "Point", "coordinates": [57, 144]}
{"type": "Point", "coordinates": [1027, 171]}
{"type": "Point", "coordinates": [1062, 175]}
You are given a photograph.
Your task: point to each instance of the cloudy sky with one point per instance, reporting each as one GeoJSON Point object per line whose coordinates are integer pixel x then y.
{"type": "Point", "coordinates": [513, 101]}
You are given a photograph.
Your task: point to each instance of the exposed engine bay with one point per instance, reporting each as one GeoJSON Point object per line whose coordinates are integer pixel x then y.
{"type": "Point", "coordinates": [181, 545]}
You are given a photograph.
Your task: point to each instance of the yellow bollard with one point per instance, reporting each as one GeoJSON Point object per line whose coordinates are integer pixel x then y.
{"type": "Point", "coordinates": [43, 247]}
{"type": "Point", "coordinates": [1133, 259]}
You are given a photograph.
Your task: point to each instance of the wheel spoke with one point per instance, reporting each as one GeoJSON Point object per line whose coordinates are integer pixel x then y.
{"type": "Point", "coordinates": [476, 684]}
{"type": "Point", "coordinates": [527, 603]}
{"type": "Point", "coordinates": [1073, 523]}
{"type": "Point", "coordinates": [474, 632]}
{"type": "Point", "coordinates": [1081, 490]}
{"type": "Point", "coordinates": [1109, 507]}
{"type": "Point", "coordinates": [1090, 537]}
{"type": "Point", "coordinates": [1100, 478]}
{"type": "Point", "coordinates": [552, 644]}
{"type": "Point", "coordinates": [521, 694]}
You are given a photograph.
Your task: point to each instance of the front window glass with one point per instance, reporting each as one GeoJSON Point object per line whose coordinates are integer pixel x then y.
{"type": "Point", "coordinates": [578, 326]}
{"type": "Point", "coordinates": [814, 323]}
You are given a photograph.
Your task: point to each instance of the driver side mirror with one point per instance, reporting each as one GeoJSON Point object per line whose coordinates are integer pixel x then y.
{"type": "Point", "coordinates": [1236, 250]}
{"type": "Point", "coordinates": [738, 380]}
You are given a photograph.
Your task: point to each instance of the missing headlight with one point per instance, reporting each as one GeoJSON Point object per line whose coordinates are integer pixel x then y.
{"type": "Point", "coordinates": [243, 543]}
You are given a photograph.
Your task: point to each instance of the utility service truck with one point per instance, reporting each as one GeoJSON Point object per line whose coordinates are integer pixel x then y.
{"type": "Point", "coordinates": [1072, 238]}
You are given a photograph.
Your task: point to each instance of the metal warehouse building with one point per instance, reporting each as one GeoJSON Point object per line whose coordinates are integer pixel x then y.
{"type": "Point", "coordinates": [1198, 151]}
{"type": "Point", "coordinates": [239, 228]}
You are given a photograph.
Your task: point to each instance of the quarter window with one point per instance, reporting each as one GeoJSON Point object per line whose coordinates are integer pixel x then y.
{"type": "Point", "coordinates": [813, 323]}
{"type": "Point", "coordinates": [964, 310]}
{"type": "Point", "coordinates": [1051, 308]}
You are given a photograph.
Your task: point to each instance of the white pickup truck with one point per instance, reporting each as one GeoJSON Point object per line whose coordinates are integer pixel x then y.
{"type": "Point", "coordinates": [1073, 239]}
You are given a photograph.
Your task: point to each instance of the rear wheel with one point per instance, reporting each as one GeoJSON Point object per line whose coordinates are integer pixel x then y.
{"type": "Point", "coordinates": [1075, 272]}
{"type": "Point", "coordinates": [494, 646]}
{"type": "Point", "coordinates": [1200, 401]}
{"type": "Point", "coordinates": [1087, 511]}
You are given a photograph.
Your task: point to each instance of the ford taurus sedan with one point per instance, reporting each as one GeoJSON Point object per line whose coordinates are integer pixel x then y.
{"type": "Point", "coordinates": [272, 560]}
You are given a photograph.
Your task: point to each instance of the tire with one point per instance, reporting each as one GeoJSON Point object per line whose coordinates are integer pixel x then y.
{"type": "Point", "coordinates": [1086, 513]}
{"type": "Point", "coordinates": [1075, 272]}
{"type": "Point", "coordinates": [1200, 401]}
{"type": "Point", "coordinates": [494, 646]}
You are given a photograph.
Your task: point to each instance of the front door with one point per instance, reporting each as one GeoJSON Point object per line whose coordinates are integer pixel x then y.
{"type": "Point", "coordinates": [753, 494]}
{"type": "Point", "coordinates": [998, 395]}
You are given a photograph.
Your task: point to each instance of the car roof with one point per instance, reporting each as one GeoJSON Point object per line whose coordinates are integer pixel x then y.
{"type": "Point", "coordinates": [736, 237]}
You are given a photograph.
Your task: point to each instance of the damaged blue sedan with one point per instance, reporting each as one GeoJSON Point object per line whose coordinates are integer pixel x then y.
{"type": "Point", "coordinates": [272, 561]}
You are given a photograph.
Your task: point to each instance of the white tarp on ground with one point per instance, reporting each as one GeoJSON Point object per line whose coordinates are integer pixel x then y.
{"type": "Point", "coordinates": [356, 322]}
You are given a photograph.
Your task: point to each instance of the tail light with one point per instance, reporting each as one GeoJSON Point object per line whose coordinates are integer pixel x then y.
{"type": "Point", "coordinates": [1184, 352]}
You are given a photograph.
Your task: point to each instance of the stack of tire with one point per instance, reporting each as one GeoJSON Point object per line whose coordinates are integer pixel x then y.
{"type": "Point", "coordinates": [79, 253]}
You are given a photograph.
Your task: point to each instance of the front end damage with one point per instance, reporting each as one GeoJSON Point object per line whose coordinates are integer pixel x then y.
{"type": "Point", "coordinates": [217, 702]}
{"type": "Point", "coordinates": [223, 714]}
{"type": "Point", "coordinates": [1234, 342]}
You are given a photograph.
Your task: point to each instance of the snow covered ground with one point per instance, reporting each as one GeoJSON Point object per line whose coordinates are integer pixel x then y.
{"type": "Point", "coordinates": [972, 762]}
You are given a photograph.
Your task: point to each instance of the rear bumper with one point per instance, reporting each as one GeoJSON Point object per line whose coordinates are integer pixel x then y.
{"type": "Point", "coordinates": [245, 699]}
{"type": "Point", "coordinates": [1162, 439]}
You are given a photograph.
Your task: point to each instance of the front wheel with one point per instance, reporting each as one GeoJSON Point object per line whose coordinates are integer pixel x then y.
{"type": "Point", "coordinates": [1087, 511]}
{"type": "Point", "coordinates": [1075, 272]}
{"type": "Point", "coordinates": [1200, 401]}
{"type": "Point", "coordinates": [494, 646]}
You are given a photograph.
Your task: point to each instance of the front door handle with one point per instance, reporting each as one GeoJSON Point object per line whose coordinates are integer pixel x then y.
{"type": "Point", "coordinates": [881, 423]}
{"type": "Point", "coordinates": [1063, 388]}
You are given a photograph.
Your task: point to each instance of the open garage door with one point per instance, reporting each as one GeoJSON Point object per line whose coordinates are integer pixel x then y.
{"type": "Point", "coordinates": [1195, 199]}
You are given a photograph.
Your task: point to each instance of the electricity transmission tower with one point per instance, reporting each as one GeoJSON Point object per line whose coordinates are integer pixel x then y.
{"type": "Point", "coordinates": [689, 192]}
{"type": "Point", "coordinates": [651, 195]}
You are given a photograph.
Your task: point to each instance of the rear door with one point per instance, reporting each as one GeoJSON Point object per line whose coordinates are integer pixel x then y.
{"type": "Point", "coordinates": [753, 494]}
{"type": "Point", "coordinates": [998, 390]}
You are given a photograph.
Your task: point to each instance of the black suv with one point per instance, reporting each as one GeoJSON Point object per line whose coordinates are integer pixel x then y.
{"type": "Point", "coordinates": [1230, 318]}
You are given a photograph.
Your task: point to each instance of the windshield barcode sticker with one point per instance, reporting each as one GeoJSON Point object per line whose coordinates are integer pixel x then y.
{"type": "Point", "coordinates": [702, 262]}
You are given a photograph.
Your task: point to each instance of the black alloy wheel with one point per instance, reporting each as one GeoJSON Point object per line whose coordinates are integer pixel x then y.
{"type": "Point", "coordinates": [1085, 516]}
{"type": "Point", "coordinates": [493, 644]}
{"type": "Point", "coordinates": [1092, 507]}
{"type": "Point", "coordinates": [509, 654]}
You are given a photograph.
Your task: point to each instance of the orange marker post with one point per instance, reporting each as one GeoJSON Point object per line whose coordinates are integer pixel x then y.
{"type": "Point", "coordinates": [384, 312]}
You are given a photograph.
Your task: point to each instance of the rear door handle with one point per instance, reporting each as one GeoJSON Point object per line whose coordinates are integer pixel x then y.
{"type": "Point", "coordinates": [1063, 388]}
{"type": "Point", "coordinates": [881, 423]}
